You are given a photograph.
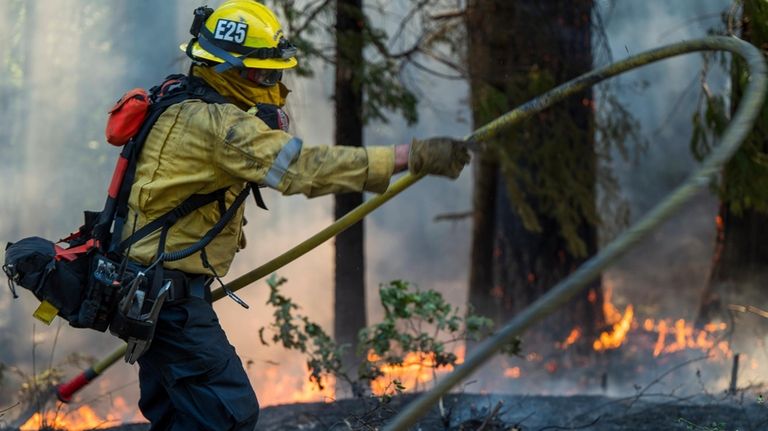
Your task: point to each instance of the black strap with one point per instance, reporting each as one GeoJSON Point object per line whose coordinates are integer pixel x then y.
{"type": "Point", "coordinates": [186, 89]}
{"type": "Point", "coordinates": [169, 218]}
{"type": "Point", "coordinates": [257, 196]}
{"type": "Point", "coordinates": [157, 280]}
{"type": "Point", "coordinates": [279, 52]}
{"type": "Point", "coordinates": [212, 233]}
{"type": "Point", "coordinates": [175, 89]}
{"type": "Point", "coordinates": [179, 88]}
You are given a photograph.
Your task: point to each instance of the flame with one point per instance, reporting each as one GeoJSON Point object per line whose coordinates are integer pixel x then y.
{"type": "Point", "coordinates": [592, 296]}
{"type": "Point", "coordinates": [84, 418]}
{"type": "Point", "coordinates": [670, 336]}
{"type": "Point", "coordinates": [533, 357]}
{"type": "Point", "coordinates": [615, 337]}
{"type": "Point", "coordinates": [611, 313]}
{"type": "Point", "coordinates": [512, 373]}
{"type": "Point", "coordinates": [572, 338]}
{"type": "Point", "coordinates": [551, 366]}
{"type": "Point", "coordinates": [682, 335]}
{"type": "Point", "coordinates": [648, 325]}
{"type": "Point", "coordinates": [285, 388]}
{"type": "Point", "coordinates": [416, 370]}
{"type": "Point", "coordinates": [309, 391]}
{"type": "Point", "coordinates": [660, 341]}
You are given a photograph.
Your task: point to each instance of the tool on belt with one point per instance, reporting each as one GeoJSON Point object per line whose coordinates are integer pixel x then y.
{"type": "Point", "coordinates": [86, 278]}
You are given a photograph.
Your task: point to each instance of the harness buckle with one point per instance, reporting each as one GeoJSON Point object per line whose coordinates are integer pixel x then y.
{"type": "Point", "coordinates": [235, 298]}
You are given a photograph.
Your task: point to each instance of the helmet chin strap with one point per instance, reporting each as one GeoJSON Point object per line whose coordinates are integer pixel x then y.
{"type": "Point", "coordinates": [230, 60]}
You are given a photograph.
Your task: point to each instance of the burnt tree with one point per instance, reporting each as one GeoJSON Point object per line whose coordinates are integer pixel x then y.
{"type": "Point", "coordinates": [349, 272]}
{"type": "Point", "coordinates": [534, 191]}
{"type": "Point", "coordinates": [739, 271]}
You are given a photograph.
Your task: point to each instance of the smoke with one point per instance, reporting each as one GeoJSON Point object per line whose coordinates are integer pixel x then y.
{"type": "Point", "coordinates": [63, 65]}
{"type": "Point", "coordinates": [67, 61]}
{"type": "Point", "coordinates": [665, 274]}
{"type": "Point", "coordinates": [402, 240]}
{"type": "Point", "coordinates": [676, 257]}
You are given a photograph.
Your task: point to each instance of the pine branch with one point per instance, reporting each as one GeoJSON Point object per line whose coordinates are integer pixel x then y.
{"type": "Point", "coordinates": [310, 16]}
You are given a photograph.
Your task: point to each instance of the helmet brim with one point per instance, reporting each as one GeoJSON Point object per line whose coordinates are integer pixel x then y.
{"type": "Point", "coordinates": [257, 63]}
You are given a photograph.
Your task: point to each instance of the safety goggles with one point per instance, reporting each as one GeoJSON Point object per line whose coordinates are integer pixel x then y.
{"type": "Point", "coordinates": [263, 77]}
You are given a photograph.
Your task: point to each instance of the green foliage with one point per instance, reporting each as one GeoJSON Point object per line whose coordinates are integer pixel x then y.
{"type": "Point", "coordinates": [553, 163]}
{"type": "Point", "coordinates": [384, 91]}
{"type": "Point", "coordinates": [377, 75]}
{"type": "Point", "coordinates": [616, 129]}
{"type": "Point", "coordinates": [415, 321]}
{"type": "Point", "coordinates": [744, 185]}
{"type": "Point", "coordinates": [755, 13]}
{"type": "Point", "coordinates": [297, 332]}
{"type": "Point", "coordinates": [708, 124]}
{"type": "Point", "coordinates": [394, 387]}
{"type": "Point", "coordinates": [550, 164]}
{"type": "Point", "coordinates": [549, 167]}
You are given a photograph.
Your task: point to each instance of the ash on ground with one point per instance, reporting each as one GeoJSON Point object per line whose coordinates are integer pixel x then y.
{"type": "Point", "coordinates": [492, 412]}
{"type": "Point", "coordinates": [526, 413]}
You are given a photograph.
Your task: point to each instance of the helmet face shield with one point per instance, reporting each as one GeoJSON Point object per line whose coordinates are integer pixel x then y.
{"type": "Point", "coordinates": [262, 77]}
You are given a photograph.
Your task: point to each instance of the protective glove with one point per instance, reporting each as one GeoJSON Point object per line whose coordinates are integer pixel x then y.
{"type": "Point", "coordinates": [438, 156]}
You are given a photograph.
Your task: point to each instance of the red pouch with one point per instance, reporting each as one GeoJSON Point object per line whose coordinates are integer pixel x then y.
{"type": "Point", "coordinates": [126, 117]}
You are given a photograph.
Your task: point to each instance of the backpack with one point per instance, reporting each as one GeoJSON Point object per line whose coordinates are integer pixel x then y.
{"type": "Point", "coordinates": [83, 277]}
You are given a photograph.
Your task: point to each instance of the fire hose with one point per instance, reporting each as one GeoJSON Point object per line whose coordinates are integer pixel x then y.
{"type": "Point", "coordinates": [558, 296]}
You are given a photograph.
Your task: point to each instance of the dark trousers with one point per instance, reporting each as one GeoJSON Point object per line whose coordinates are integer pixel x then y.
{"type": "Point", "coordinates": [191, 377]}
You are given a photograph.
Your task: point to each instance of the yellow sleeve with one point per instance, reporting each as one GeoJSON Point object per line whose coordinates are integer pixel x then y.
{"type": "Point", "coordinates": [254, 152]}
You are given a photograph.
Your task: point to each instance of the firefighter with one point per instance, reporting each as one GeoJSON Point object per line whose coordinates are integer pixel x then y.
{"type": "Point", "coordinates": [190, 377]}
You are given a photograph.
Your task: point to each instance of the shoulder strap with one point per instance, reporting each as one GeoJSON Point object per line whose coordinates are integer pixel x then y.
{"type": "Point", "coordinates": [175, 89]}
{"type": "Point", "coordinates": [187, 207]}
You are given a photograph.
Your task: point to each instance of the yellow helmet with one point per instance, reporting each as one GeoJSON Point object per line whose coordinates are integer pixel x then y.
{"type": "Point", "coordinates": [241, 34]}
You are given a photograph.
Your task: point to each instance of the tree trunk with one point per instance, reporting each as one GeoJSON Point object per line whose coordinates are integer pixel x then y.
{"type": "Point", "coordinates": [739, 271]}
{"type": "Point", "coordinates": [518, 50]}
{"type": "Point", "coordinates": [349, 292]}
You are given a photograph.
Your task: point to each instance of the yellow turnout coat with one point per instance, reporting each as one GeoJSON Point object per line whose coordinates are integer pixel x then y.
{"type": "Point", "coordinates": [197, 147]}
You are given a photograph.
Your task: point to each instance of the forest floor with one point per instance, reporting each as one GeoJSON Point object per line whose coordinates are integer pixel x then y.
{"type": "Point", "coordinates": [525, 413]}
